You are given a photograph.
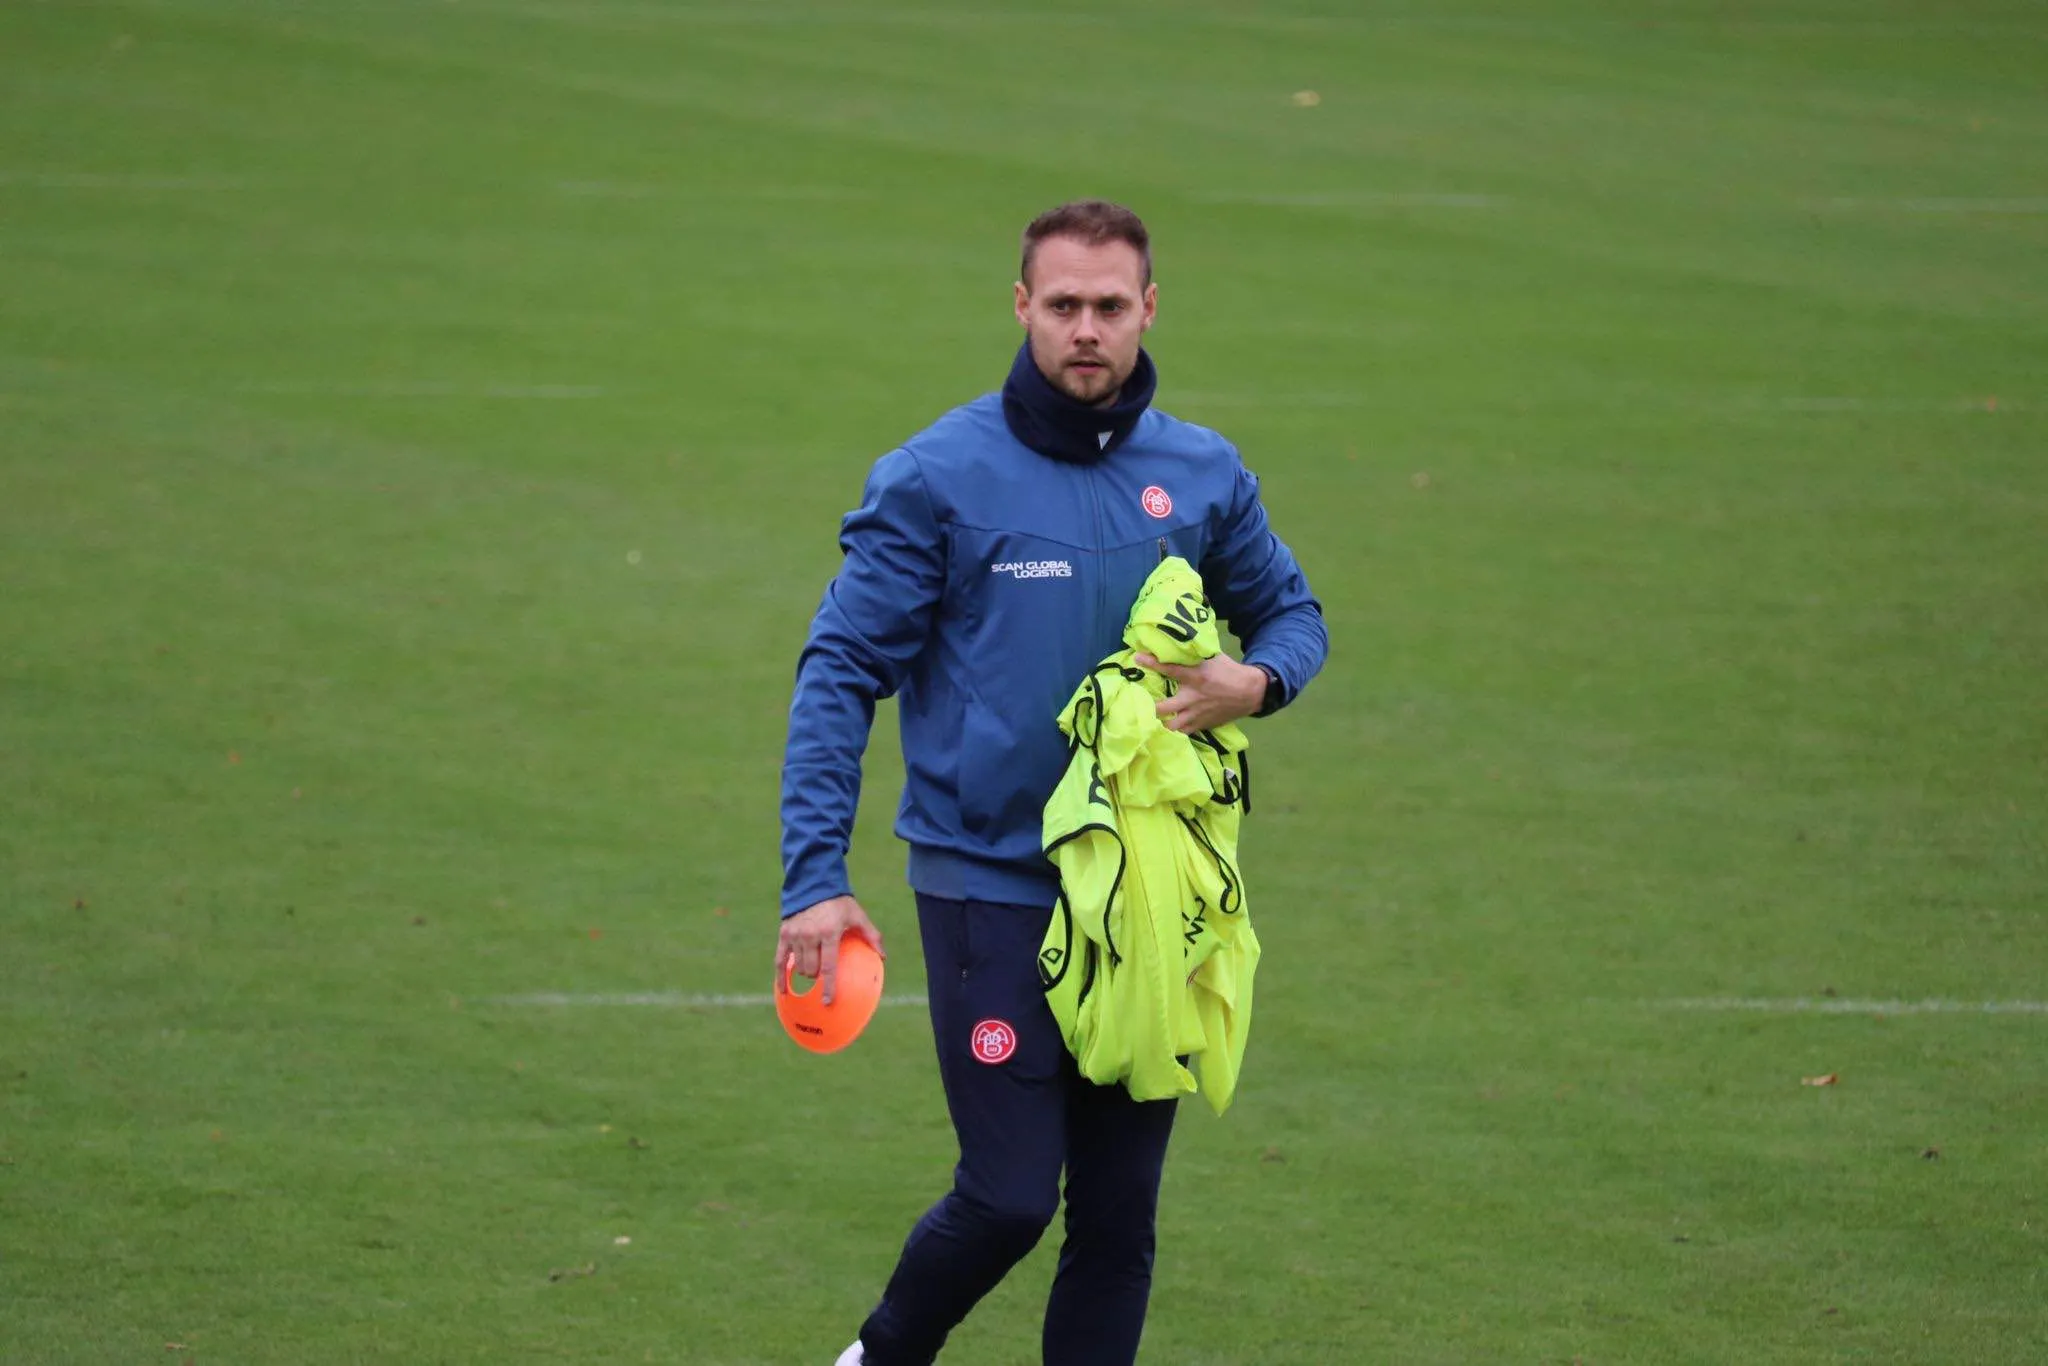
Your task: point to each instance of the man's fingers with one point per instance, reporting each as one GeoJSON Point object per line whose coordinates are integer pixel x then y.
{"type": "Point", "coordinates": [828, 971]}
{"type": "Point", "coordinates": [1176, 671]}
{"type": "Point", "coordinates": [866, 930]}
{"type": "Point", "coordinates": [790, 960]}
{"type": "Point", "coordinates": [808, 943]}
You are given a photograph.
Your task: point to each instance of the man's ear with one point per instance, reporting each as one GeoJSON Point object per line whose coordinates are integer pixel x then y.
{"type": "Point", "coordinates": [1151, 306]}
{"type": "Point", "coordinates": [1023, 305]}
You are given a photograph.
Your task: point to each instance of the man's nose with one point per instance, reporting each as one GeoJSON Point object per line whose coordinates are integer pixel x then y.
{"type": "Point", "coordinates": [1087, 327]}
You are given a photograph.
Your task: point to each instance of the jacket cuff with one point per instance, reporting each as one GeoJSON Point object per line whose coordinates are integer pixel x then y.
{"type": "Point", "coordinates": [1278, 694]}
{"type": "Point", "coordinates": [804, 895]}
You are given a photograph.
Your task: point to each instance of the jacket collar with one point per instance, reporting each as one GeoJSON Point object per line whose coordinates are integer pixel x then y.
{"type": "Point", "coordinates": [1064, 428]}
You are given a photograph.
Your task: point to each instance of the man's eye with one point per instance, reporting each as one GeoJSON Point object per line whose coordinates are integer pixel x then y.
{"type": "Point", "coordinates": [1112, 308]}
{"type": "Point", "coordinates": [1063, 307]}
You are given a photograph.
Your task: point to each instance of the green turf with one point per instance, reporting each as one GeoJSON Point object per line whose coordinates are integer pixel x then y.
{"type": "Point", "coordinates": [421, 432]}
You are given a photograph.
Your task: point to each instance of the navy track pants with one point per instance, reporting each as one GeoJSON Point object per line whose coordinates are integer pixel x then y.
{"type": "Point", "coordinates": [1023, 1114]}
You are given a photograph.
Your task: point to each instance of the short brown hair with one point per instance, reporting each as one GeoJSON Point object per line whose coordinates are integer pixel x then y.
{"type": "Point", "coordinates": [1093, 221]}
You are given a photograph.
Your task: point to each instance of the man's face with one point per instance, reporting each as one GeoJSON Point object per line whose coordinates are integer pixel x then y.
{"type": "Point", "coordinates": [1085, 309]}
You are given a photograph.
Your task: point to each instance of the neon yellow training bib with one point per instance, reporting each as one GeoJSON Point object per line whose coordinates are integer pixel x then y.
{"type": "Point", "coordinates": [1150, 955]}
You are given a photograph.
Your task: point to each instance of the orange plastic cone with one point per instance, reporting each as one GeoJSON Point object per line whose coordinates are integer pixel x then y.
{"type": "Point", "coordinates": [827, 1029]}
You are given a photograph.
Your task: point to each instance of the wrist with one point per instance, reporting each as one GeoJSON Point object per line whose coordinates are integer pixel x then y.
{"type": "Point", "coordinates": [1271, 690]}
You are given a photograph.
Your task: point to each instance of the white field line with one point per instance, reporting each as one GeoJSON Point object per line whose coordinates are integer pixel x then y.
{"type": "Point", "coordinates": [600, 189]}
{"type": "Point", "coordinates": [1354, 199]}
{"type": "Point", "coordinates": [1297, 199]}
{"type": "Point", "coordinates": [1026, 17]}
{"type": "Point", "coordinates": [1432, 199]}
{"type": "Point", "coordinates": [1832, 1005]}
{"type": "Point", "coordinates": [1793, 1005]}
{"type": "Point", "coordinates": [1789, 403]}
{"type": "Point", "coordinates": [1335, 398]}
{"type": "Point", "coordinates": [422, 389]}
{"type": "Point", "coordinates": [93, 180]}
{"type": "Point", "coordinates": [774, 194]}
{"type": "Point", "coordinates": [666, 1000]}
{"type": "Point", "coordinates": [1838, 404]}
{"type": "Point", "coordinates": [1935, 204]}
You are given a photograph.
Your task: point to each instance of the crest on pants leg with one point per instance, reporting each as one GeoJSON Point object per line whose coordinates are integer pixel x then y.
{"type": "Point", "coordinates": [993, 1041]}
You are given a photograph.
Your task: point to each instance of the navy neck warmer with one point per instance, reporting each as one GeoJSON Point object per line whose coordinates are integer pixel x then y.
{"type": "Point", "coordinates": [1065, 428]}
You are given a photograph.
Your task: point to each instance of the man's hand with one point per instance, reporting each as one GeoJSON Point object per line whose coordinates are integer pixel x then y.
{"type": "Point", "coordinates": [810, 939]}
{"type": "Point", "coordinates": [1215, 692]}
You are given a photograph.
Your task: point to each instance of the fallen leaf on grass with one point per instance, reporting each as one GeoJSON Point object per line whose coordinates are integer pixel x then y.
{"type": "Point", "coordinates": [566, 1273]}
{"type": "Point", "coordinates": [176, 1347]}
{"type": "Point", "coordinates": [1825, 1079]}
{"type": "Point", "coordinates": [636, 1143]}
{"type": "Point", "coordinates": [1272, 1155]}
{"type": "Point", "coordinates": [622, 1240]}
{"type": "Point", "coordinates": [1930, 1155]}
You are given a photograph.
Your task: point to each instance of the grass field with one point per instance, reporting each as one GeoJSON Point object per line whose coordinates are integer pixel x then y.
{"type": "Point", "coordinates": [422, 433]}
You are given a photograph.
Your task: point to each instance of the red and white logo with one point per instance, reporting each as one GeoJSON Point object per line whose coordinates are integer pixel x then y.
{"type": "Point", "coordinates": [993, 1041]}
{"type": "Point", "coordinates": [1156, 501]}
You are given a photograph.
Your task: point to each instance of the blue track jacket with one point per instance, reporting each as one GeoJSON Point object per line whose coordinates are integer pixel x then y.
{"type": "Point", "coordinates": [981, 579]}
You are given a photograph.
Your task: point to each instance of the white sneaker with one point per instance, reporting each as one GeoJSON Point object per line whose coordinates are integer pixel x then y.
{"type": "Point", "coordinates": [850, 1357]}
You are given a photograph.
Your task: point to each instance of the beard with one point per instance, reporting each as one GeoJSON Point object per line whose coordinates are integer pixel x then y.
{"type": "Point", "coordinates": [1094, 386]}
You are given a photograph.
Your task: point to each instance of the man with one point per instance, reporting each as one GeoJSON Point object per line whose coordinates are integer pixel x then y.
{"type": "Point", "coordinates": [990, 565]}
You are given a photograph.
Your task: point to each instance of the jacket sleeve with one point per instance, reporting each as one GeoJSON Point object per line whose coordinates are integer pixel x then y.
{"type": "Point", "coordinates": [1255, 584]}
{"type": "Point", "coordinates": [868, 631]}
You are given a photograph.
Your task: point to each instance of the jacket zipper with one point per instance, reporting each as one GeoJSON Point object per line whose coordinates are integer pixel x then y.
{"type": "Point", "coordinates": [1101, 550]}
